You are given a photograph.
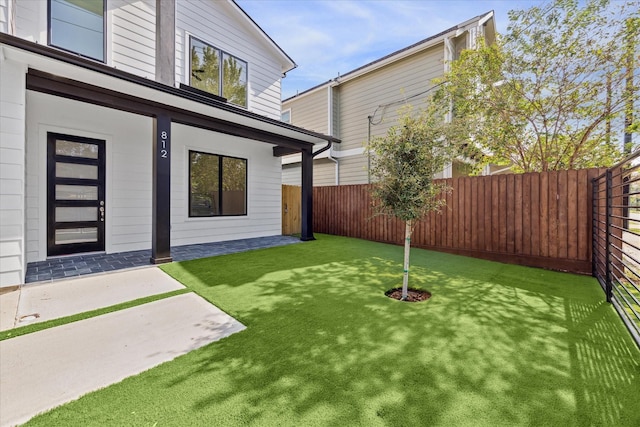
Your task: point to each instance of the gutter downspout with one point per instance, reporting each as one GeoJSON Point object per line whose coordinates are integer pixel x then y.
{"type": "Point", "coordinates": [330, 130]}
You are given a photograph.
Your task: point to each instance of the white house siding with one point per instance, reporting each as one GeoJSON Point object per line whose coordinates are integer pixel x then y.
{"type": "Point", "coordinates": [4, 16]}
{"type": "Point", "coordinates": [132, 36]}
{"type": "Point", "coordinates": [263, 188]}
{"type": "Point", "coordinates": [214, 22]}
{"type": "Point", "coordinates": [31, 20]}
{"type": "Point", "coordinates": [128, 169]}
{"type": "Point", "coordinates": [12, 173]}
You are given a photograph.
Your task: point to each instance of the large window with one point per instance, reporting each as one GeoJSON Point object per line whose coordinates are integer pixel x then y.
{"type": "Point", "coordinates": [217, 185]}
{"type": "Point", "coordinates": [78, 26]}
{"type": "Point", "coordinates": [217, 72]}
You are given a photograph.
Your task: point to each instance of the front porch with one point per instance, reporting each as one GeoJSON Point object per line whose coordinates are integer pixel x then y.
{"type": "Point", "coordinates": [80, 265]}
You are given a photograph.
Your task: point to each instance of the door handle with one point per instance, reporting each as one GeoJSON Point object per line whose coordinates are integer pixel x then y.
{"type": "Point", "coordinates": [101, 210]}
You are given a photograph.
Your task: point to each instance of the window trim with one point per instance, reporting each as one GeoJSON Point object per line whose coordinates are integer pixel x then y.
{"type": "Point", "coordinates": [220, 179]}
{"type": "Point", "coordinates": [221, 54]}
{"type": "Point", "coordinates": [104, 34]}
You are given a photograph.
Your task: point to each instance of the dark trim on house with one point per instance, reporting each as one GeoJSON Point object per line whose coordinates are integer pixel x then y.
{"type": "Point", "coordinates": [92, 65]}
{"type": "Point", "coordinates": [220, 185]}
{"type": "Point", "coordinates": [72, 89]}
{"type": "Point", "coordinates": [197, 91]}
{"type": "Point", "coordinates": [161, 192]}
{"type": "Point", "coordinates": [220, 71]}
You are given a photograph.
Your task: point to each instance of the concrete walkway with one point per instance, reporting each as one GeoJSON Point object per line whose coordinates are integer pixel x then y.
{"type": "Point", "coordinates": [42, 370]}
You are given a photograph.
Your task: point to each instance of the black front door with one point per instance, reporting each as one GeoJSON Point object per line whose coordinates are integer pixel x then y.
{"type": "Point", "coordinates": [75, 194]}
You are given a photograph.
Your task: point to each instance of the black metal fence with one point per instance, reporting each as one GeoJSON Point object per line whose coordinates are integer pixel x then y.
{"type": "Point", "coordinates": [616, 238]}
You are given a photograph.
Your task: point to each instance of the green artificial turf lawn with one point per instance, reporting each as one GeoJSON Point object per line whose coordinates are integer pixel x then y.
{"type": "Point", "coordinates": [496, 345]}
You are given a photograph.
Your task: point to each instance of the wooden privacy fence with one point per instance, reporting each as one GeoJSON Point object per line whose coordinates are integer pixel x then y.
{"type": "Point", "coordinates": [535, 219]}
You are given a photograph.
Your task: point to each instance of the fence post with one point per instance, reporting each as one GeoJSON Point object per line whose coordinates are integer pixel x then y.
{"type": "Point", "coordinates": [609, 210]}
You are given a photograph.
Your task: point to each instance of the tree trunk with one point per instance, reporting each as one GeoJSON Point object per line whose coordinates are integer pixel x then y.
{"type": "Point", "coordinates": [407, 248]}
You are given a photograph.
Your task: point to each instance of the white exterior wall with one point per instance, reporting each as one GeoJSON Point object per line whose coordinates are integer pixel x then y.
{"type": "Point", "coordinates": [264, 191]}
{"type": "Point", "coordinates": [131, 33]}
{"type": "Point", "coordinates": [12, 173]}
{"type": "Point", "coordinates": [214, 22]}
{"type": "Point", "coordinates": [5, 12]}
{"type": "Point", "coordinates": [128, 169]}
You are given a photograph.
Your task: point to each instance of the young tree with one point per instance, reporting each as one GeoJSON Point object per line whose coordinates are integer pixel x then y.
{"type": "Point", "coordinates": [403, 165]}
{"type": "Point", "coordinates": [552, 93]}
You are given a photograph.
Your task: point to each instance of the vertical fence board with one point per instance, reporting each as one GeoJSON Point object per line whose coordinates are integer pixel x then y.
{"type": "Point", "coordinates": [495, 214]}
{"type": "Point", "coordinates": [572, 213]}
{"type": "Point", "coordinates": [488, 233]}
{"type": "Point", "coordinates": [544, 215]}
{"type": "Point", "coordinates": [526, 214]}
{"type": "Point", "coordinates": [511, 213]}
{"type": "Point", "coordinates": [553, 214]}
{"type": "Point", "coordinates": [563, 198]}
{"type": "Point", "coordinates": [502, 213]}
{"type": "Point", "coordinates": [518, 213]}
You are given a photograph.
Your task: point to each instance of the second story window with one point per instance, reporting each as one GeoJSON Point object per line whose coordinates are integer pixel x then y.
{"type": "Point", "coordinates": [78, 26]}
{"type": "Point", "coordinates": [217, 72]}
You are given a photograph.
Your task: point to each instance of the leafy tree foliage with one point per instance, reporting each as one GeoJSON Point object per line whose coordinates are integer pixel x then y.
{"type": "Point", "coordinates": [403, 165]}
{"type": "Point", "coordinates": [551, 93]}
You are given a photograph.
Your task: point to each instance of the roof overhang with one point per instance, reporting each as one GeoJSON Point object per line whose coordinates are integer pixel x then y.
{"type": "Point", "coordinates": [66, 75]}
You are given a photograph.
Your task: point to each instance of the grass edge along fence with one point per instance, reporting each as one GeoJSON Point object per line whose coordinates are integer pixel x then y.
{"type": "Point", "coordinates": [534, 219]}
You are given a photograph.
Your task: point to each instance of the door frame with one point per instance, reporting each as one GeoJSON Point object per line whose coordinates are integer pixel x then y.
{"type": "Point", "coordinates": [75, 248]}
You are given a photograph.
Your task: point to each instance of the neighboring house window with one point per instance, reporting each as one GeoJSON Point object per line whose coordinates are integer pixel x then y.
{"type": "Point", "coordinates": [286, 116]}
{"type": "Point", "coordinates": [217, 72]}
{"type": "Point", "coordinates": [78, 26]}
{"type": "Point", "coordinates": [217, 185]}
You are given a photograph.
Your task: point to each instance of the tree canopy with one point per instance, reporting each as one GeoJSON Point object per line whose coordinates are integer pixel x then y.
{"type": "Point", "coordinates": [553, 92]}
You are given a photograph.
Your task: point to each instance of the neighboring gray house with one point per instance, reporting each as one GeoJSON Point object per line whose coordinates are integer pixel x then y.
{"type": "Point", "coordinates": [342, 106]}
{"type": "Point", "coordinates": [120, 131]}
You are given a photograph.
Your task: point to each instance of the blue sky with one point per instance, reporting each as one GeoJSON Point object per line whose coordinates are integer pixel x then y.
{"type": "Point", "coordinates": [327, 37]}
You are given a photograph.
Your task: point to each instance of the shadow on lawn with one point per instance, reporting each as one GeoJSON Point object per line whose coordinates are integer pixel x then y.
{"type": "Point", "coordinates": [496, 345]}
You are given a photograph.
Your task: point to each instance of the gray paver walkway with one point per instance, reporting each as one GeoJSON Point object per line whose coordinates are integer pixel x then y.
{"type": "Point", "coordinates": [70, 266]}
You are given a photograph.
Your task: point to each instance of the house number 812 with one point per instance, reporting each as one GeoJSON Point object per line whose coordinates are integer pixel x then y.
{"type": "Point", "coordinates": [163, 137]}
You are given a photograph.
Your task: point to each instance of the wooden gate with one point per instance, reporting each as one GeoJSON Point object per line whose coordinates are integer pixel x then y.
{"type": "Point", "coordinates": [291, 209]}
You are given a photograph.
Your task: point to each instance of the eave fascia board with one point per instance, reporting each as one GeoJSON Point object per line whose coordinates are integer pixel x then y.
{"type": "Point", "coordinates": [71, 66]}
{"type": "Point", "coordinates": [288, 63]}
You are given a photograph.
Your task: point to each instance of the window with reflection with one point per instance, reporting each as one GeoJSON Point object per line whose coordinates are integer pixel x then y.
{"type": "Point", "coordinates": [217, 185]}
{"type": "Point", "coordinates": [218, 72]}
{"type": "Point", "coordinates": [78, 26]}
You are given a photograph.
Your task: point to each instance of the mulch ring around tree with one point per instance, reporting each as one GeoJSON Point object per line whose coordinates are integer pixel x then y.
{"type": "Point", "coordinates": [413, 295]}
